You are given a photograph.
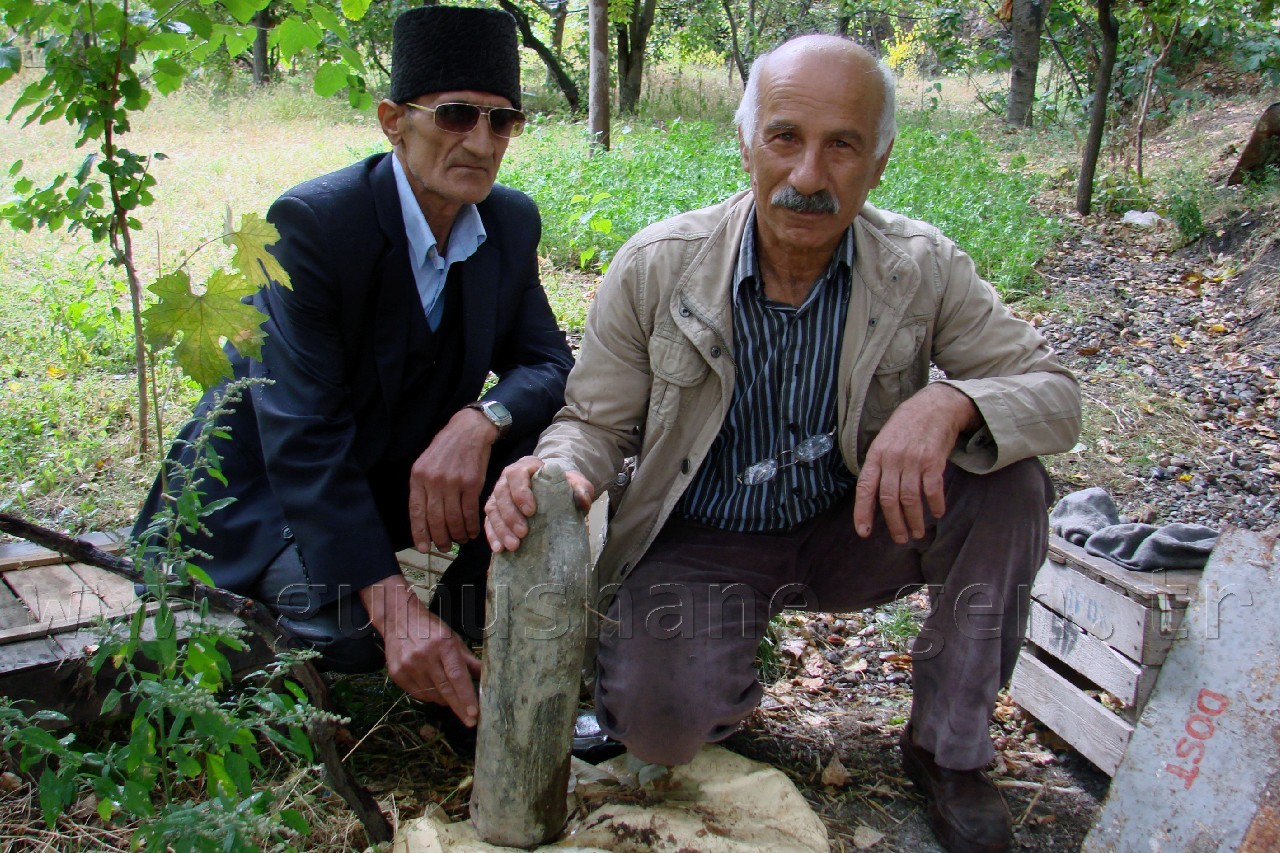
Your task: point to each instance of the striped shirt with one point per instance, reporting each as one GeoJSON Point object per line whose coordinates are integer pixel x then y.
{"type": "Point", "coordinates": [787, 359]}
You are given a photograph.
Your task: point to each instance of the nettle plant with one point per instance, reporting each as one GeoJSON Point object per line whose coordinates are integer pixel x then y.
{"type": "Point", "coordinates": [183, 778]}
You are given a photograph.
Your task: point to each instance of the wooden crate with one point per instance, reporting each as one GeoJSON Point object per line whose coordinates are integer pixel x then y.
{"type": "Point", "coordinates": [1096, 628]}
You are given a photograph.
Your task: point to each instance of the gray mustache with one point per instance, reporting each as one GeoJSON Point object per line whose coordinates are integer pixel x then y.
{"type": "Point", "coordinates": [792, 199]}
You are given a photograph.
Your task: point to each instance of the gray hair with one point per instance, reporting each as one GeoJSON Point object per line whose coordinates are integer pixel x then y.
{"type": "Point", "coordinates": [749, 108]}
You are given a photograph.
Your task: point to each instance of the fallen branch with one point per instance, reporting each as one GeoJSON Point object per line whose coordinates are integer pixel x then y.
{"type": "Point", "coordinates": [259, 620]}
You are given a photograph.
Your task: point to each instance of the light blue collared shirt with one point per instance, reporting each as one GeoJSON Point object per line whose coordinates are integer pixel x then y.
{"type": "Point", "coordinates": [430, 270]}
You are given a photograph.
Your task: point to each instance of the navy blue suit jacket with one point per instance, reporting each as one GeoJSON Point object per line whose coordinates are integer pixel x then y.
{"type": "Point", "coordinates": [302, 446]}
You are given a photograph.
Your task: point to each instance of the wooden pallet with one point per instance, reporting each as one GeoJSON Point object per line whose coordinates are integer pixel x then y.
{"type": "Point", "coordinates": [1096, 628]}
{"type": "Point", "coordinates": [48, 606]}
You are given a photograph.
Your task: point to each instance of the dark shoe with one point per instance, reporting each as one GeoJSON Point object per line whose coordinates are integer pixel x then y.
{"type": "Point", "coordinates": [966, 811]}
{"type": "Point", "coordinates": [590, 743]}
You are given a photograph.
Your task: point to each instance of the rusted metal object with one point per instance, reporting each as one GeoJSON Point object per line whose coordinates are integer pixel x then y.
{"type": "Point", "coordinates": [529, 685]}
{"type": "Point", "coordinates": [1202, 770]}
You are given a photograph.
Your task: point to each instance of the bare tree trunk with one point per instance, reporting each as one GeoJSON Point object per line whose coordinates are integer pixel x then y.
{"type": "Point", "coordinates": [261, 64]}
{"type": "Point", "coordinates": [554, 68]}
{"type": "Point", "coordinates": [1098, 115]}
{"type": "Point", "coordinates": [633, 40]}
{"type": "Point", "coordinates": [598, 87]}
{"type": "Point", "coordinates": [738, 60]}
{"type": "Point", "coordinates": [1028, 22]}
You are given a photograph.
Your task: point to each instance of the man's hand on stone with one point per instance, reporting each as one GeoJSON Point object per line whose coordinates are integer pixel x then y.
{"type": "Point", "coordinates": [446, 480]}
{"type": "Point", "coordinates": [904, 465]}
{"type": "Point", "coordinates": [424, 657]}
{"type": "Point", "coordinates": [511, 505]}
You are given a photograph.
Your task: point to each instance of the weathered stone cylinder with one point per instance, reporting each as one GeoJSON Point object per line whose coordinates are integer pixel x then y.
{"type": "Point", "coordinates": [533, 649]}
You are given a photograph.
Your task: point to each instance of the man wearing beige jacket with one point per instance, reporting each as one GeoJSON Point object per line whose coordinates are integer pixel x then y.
{"type": "Point", "coordinates": [767, 363]}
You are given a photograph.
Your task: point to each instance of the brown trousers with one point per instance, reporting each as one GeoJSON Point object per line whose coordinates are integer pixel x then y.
{"type": "Point", "coordinates": [675, 666]}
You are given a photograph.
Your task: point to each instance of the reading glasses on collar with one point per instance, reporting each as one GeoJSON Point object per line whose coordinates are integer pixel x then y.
{"type": "Point", "coordinates": [506, 122]}
{"type": "Point", "coordinates": [812, 448]}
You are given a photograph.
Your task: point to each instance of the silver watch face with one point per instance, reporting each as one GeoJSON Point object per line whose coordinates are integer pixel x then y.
{"type": "Point", "coordinates": [497, 413]}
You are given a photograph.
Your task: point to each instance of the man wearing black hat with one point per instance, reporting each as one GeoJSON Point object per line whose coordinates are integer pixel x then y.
{"type": "Point", "coordinates": [413, 277]}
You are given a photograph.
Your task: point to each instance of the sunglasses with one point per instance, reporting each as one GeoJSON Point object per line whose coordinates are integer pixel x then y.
{"type": "Point", "coordinates": [505, 122]}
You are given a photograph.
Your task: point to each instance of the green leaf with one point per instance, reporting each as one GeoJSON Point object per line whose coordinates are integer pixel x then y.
{"type": "Point", "coordinates": [112, 702]}
{"type": "Point", "coordinates": [10, 61]}
{"type": "Point", "coordinates": [167, 75]}
{"type": "Point", "coordinates": [242, 10]}
{"type": "Point", "coordinates": [295, 821]}
{"type": "Point", "coordinates": [198, 574]}
{"type": "Point", "coordinates": [329, 21]}
{"type": "Point", "coordinates": [330, 77]}
{"type": "Point", "coordinates": [106, 808]}
{"type": "Point", "coordinates": [355, 9]}
{"type": "Point", "coordinates": [239, 39]}
{"type": "Point", "coordinates": [164, 41]}
{"type": "Point", "coordinates": [294, 35]}
{"type": "Point", "coordinates": [203, 320]}
{"type": "Point", "coordinates": [252, 258]}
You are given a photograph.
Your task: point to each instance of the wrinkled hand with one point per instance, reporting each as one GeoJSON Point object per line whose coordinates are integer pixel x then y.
{"type": "Point", "coordinates": [446, 480]}
{"type": "Point", "coordinates": [508, 509]}
{"type": "Point", "coordinates": [424, 657]}
{"type": "Point", "coordinates": [904, 465]}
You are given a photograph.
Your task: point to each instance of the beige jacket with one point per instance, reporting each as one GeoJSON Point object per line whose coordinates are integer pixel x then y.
{"type": "Point", "coordinates": [655, 374]}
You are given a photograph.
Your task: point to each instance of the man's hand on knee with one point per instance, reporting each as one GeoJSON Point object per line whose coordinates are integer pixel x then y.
{"type": "Point", "coordinates": [904, 465]}
{"type": "Point", "coordinates": [424, 657]}
{"type": "Point", "coordinates": [509, 508]}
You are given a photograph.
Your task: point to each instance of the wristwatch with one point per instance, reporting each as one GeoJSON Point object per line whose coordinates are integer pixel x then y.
{"type": "Point", "coordinates": [497, 414]}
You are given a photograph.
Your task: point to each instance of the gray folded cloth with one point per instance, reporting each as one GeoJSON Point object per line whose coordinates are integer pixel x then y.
{"type": "Point", "coordinates": [1089, 518]}
{"type": "Point", "coordinates": [1081, 514]}
{"type": "Point", "coordinates": [1146, 548]}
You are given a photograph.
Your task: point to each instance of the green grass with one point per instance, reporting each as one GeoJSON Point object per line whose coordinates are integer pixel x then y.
{"type": "Point", "coordinates": [591, 203]}
{"type": "Point", "coordinates": [951, 179]}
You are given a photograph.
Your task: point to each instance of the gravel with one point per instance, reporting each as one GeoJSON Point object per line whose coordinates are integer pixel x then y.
{"type": "Point", "coordinates": [1172, 321]}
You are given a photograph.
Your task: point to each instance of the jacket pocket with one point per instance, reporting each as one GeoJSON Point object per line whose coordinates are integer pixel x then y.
{"type": "Point", "coordinates": [893, 380]}
{"type": "Point", "coordinates": [675, 365]}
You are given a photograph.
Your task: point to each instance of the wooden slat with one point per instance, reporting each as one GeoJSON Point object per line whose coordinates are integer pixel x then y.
{"type": "Point", "coordinates": [1179, 584]}
{"type": "Point", "coordinates": [25, 555]}
{"type": "Point", "coordinates": [1095, 732]}
{"type": "Point", "coordinates": [62, 626]}
{"type": "Point", "coordinates": [1126, 624]}
{"type": "Point", "coordinates": [12, 611]}
{"type": "Point", "coordinates": [49, 681]}
{"type": "Point", "coordinates": [1095, 660]}
{"type": "Point", "coordinates": [116, 592]}
{"type": "Point", "coordinates": [31, 652]}
{"type": "Point", "coordinates": [55, 593]}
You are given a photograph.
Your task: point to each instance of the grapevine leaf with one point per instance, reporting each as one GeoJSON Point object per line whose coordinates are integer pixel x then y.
{"type": "Point", "coordinates": [252, 258]}
{"type": "Point", "coordinates": [203, 320]}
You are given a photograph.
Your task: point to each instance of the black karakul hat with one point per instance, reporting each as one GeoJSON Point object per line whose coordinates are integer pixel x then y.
{"type": "Point", "coordinates": [448, 48]}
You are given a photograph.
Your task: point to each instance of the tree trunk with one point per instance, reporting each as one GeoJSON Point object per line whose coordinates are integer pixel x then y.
{"type": "Point", "coordinates": [598, 87]}
{"type": "Point", "coordinates": [1098, 115]}
{"type": "Point", "coordinates": [554, 68]}
{"type": "Point", "coordinates": [739, 61]}
{"type": "Point", "coordinates": [1028, 22]}
{"type": "Point", "coordinates": [533, 653]}
{"type": "Point", "coordinates": [261, 61]}
{"type": "Point", "coordinates": [633, 39]}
